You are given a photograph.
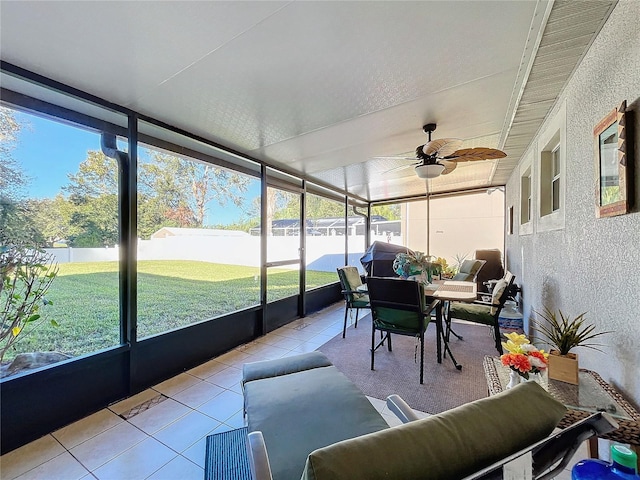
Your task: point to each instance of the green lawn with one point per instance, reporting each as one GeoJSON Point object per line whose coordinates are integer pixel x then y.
{"type": "Point", "coordinates": [171, 294]}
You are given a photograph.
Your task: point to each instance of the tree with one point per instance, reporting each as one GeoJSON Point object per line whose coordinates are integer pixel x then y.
{"type": "Point", "coordinates": [390, 212]}
{"type": "Point", "coordinates": [16, 222]}
{"type": "Point", "coordinates": [93, 193]}
{"type": "Point", "coordinates": [12, 178]}
{"type": "Point", "coordinates": [52, 218]}
{"type": "Point", "coordinates": [187, 187]}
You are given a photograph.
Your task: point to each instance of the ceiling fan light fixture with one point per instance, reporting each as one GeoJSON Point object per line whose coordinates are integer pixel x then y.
{"type": "Point", "coordinates": [431, 170]}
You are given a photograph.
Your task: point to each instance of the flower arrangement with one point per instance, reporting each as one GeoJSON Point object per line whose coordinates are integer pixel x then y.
{"type": "Point", "coordinates": [523, 358]}
{"type": "Point", "coordinates": [413, 263]}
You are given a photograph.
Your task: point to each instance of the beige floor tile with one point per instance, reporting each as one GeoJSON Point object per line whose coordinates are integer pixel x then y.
{"type": "Point", "coordinates": [88, 427]}
{"type": "Point", "coordinates": [227, 377]}
{"type": "Point", "coordinates": [179, 468]}
{"type": "Point", "coordinates": [186, 431]}
{"type": "Point", "coordinates": [198, 394]}
{"type": "Point", "coordinates": [308, 346]}
{"type": "Point", "coordinates": [223, 406]}
{"type": "Point", "coordinates": [287, 343]}
{"type": "Point", "coordinates": [106, 446]}
{"type": "Point", "coordinates": [63, 466]}
{"type": "Point", "coordinates": [237, 388]}
{"type": "Point", "coordinates": [176, 384]}
{"type": "Point", "coordinates": [234, 358]}
{"type": "Point", "coordinates": [195, 453]}
{"type": "Point", "coordinates": [236, 421]}
{"type": "Point", "coordinates": [137, 463]}
{"type": "Point", "coordinates": [29, 456]}
{"type": "Point", "coordinates": [207, 369]}
{"type": "Point", "coordinates": [322, 338]}
{"type": "Point", "coordinates": [128, 403]}
{"type": "Point", "coordinates": [159, 416]}
{"type": "Point", "coordinates": [271, 338]}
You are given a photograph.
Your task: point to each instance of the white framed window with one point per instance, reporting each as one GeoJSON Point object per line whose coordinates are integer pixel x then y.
{"type": "Point", "coordinates": [526, 196]}
{"type": "Point", "coordinates": [551, 173]}
{"type": "Point", "coordinates": [555, 179]}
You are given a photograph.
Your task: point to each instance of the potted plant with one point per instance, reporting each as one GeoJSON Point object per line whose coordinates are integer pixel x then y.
{"type": "Point", "coordinates": [564, 334]}
{"type": "Point", "coordinates": [415, 264]}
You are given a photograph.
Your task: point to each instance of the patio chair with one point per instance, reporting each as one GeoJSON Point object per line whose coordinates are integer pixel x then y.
{"type": "Point", "coordinates": [492, 270]}
{"type": "Point", "coordinates": [349, 282]}
{"type": "Point", "coordinates": [485, 313]}
{"type": "Point", "coordinates": [398, 306]}
{"type": "Point", "coordinates": [468, 273]}
{"type": "Point", "coordinates": [469, 270]}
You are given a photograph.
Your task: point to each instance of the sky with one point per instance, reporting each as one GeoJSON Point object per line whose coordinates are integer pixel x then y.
{"type": "Point", "coordinates": [48, 151]}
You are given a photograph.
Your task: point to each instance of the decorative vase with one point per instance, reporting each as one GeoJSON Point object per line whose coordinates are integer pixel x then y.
{"type": "Point", "coordinates": [563, 367]}
{"type": "Point", "coordinates": [514, 379]}
{"type": "Point", "coordinates": [534, 377]}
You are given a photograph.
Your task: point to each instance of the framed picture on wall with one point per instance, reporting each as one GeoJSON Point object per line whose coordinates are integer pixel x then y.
{"type": "Point", "coordinates": [611, 164]}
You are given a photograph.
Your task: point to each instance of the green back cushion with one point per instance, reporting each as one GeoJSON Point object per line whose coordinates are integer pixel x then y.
{"type": "Point", "coordinates": [352, 280]}
{"type": "Point", "coordinates": [498, 290]}
{"type": "Point", "coordinates": [450, 445]}
{"type": "Point", "coordinates": [352, 277]}
{"type": "Point", "coordinates": [283, 366]}
{"type": "Point", "coordinates": [470, 266]}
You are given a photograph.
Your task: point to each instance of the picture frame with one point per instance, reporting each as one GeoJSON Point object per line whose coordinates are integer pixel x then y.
{"type": "Point", "coordinates": [610, 149]}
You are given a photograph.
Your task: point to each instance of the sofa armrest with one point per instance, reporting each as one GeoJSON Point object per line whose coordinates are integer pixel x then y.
{"type": "Point", "coordinates": [258, 458]}
{"type": "Point", "coordinates": [401, 409]}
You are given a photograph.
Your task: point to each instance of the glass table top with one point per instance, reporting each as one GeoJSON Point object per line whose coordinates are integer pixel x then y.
{"type": "Point", "coordinates": [590, 395]}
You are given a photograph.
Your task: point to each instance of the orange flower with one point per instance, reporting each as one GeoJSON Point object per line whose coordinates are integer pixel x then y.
{"type": "Point", "coordinates": [517, 361]}
{"type": "Point", "coordinates": [540, 356]}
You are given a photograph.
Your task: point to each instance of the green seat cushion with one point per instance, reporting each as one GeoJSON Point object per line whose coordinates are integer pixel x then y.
{"type": "Point", "coordinates": [360, 301]}
{"type": "Point", "coordinates": [398, 319]}
{"type": "Point", "coordinates": [450, 445]}
{"type": "Point", "coordinates": [303, 411]}
{"type": "Point", "coordinates": [472, 312]}
{"type": "Point", "coordinates": [283, 366]}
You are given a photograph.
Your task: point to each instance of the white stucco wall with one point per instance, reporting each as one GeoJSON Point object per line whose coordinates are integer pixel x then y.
{"type": "Point", "coordinates": [591, 265]}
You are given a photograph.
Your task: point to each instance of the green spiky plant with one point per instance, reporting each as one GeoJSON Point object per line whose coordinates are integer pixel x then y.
{"type": "Point", "coordinates": [566, 333]}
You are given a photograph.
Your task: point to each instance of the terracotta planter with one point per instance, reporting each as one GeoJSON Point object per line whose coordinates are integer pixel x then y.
{"type": "Point", "coordinates": [563, 367]}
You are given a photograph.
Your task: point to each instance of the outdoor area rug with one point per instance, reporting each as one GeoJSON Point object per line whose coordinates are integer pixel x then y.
{"type": "Point", "coordinates": [226, 456]}
{"type": "Point", "coordinates": [444, 387]}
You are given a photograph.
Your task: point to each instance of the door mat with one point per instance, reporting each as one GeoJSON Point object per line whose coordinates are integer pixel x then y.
{"type": "Point", "coordinates": [227, 457]}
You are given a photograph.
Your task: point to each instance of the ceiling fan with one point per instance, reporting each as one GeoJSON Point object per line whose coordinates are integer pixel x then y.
{"type": "Point", "coordinates": [441, 156]}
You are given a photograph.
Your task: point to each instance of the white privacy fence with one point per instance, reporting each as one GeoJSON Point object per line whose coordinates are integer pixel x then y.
{"type": "Point", "coordinates": [324, 253]}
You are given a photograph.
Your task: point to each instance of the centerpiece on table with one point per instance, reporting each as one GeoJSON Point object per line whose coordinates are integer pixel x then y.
{"type": "Point", "coordinates": [564, 334]}
{"type": "Point", "coordinates": [416, 266]}
{"type": "Point", "coordinates": [523, 358]}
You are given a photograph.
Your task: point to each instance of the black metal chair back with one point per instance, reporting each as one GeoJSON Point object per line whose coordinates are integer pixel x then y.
{"type": "Point", "coordinates": [398, 306]}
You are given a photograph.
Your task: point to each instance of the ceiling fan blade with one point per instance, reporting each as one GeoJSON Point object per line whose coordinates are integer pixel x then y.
{"type": "Point", "coordinates": [400, 157]}
{"type": "Point", "coordinates": [448, 166]}
{"type": "Point", "coordinates": [442, 146]}
{"type": "Point", "coordinates": [473, 154]}
{"type": "Point", "coordinates": [401, 167]}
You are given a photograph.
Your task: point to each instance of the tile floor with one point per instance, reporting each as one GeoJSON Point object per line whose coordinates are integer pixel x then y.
{"type": "Point", "coordinates": [159, 434]}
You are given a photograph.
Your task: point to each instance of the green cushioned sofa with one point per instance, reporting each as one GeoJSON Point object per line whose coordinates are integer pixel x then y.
{"type": "Point", "coordinates": [307, 421]}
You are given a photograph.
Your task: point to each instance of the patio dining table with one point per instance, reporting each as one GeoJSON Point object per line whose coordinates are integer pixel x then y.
{"type": "Point", "coordinates": [452, 291]}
